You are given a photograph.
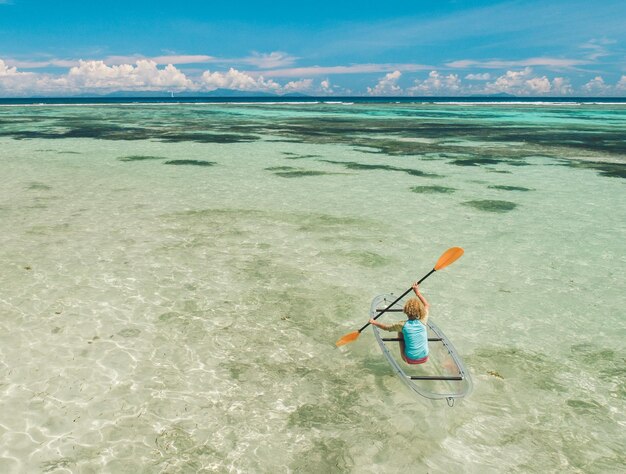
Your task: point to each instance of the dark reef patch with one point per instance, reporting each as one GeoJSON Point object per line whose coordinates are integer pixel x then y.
{"type": "Point", "coordinates": [206, 137]}
{"type": "Point", "coordinates": [299, 157]}
{"type": "Point", "coordinates": [140, 158]}
{"type": "Point", "coordinates": [611, 170]}
{"type": "Point", "coordinates": [351, 165]}
{"type": "Point", "coordinates": [372, 151]}
{"type": "Point", "coordinates": [476, 161]}
{"type": "Point", "coordinates": [374, 133]}
{"type": "Point", "coordinates": [584, 406]}
{"type": "Point", "coordinates": [491, 170]}
{"type": "Point", "coordinates": [280, 168]}
{"type": "Point", "coordinates": [456, 135]}
{"type": "Point", "coordinates": [291, 172]}
{"type": "Point", "coordinates": [97, 130]}
{"type": "Point", "coordinates": [110, 131]}
{"type": "Point", "coordinates": [509, 188]}
{"type": "Point", "coordinates": [432, 189]}
{"type": "Point", "coordinates": [190, 162]}
{"type": "Point", "coordinates": [490, 205]}
{"type": "Point", "coordinates": [609, 365]}
{"type": "Point", "coordinates": [278, 140]}
{"type": "Point", "coordinates": [301, 173]}
{"type": "Point", "coordinates": [129, 332]}
{"type": "Point", "coordinates": [330, 455]}
{"type": "Point", "coordinates": [38, 186]}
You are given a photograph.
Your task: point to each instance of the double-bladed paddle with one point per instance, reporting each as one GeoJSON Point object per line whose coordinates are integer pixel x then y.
{"type": "Point", "coordinates": [447, 258]}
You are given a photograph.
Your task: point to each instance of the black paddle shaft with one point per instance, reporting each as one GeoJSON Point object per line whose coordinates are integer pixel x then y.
{"type": "Point", "coordinates": [398, 299]}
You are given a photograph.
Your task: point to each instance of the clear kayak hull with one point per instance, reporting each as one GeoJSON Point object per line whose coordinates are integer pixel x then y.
{"type": "Point", "coordinates": [443, 376]}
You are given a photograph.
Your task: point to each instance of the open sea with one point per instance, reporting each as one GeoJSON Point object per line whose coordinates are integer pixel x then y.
{"type": "Point", "coordinates": [175, 277]}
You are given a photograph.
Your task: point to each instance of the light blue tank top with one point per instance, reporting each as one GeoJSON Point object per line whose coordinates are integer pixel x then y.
{"type": "Point", "coordinates": [415, 339]}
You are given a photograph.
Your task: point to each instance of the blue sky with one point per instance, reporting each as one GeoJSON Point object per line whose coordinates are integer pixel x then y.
{"type": "Point", "coordinates": [414, 47]}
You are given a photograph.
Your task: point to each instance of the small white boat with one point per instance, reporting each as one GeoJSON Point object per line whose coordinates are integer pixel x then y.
{"type": "Point", "coordinates": [443, 376]}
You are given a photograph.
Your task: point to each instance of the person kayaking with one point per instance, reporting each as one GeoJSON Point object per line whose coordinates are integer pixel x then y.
{"type": "Point", "coordinates": [412, 334]}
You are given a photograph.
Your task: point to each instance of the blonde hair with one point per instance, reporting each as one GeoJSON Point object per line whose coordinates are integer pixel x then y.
{"type": "Point", "coordinates": [415, 309]}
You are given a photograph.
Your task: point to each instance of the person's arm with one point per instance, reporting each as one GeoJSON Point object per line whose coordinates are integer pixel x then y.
{"type": "Point", "coordinates": [416, 289]}
{"type": "Point", "coordinates": [383, 326]}
{"type": "Point", "coordinates": [396, 327]}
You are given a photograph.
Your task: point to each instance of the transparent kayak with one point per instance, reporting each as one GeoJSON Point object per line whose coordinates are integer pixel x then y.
{"type": "Point", "coordinates": [443, 376]}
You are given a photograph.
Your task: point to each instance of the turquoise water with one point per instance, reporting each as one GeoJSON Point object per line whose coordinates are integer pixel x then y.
{"type": "Point", "coordinates": [175, 278]}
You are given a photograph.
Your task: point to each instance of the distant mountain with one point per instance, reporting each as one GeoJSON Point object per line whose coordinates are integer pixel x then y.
{"type": "Point", "coordinates": [225, 93]}
{"type": "Point", "coordinates": [295, 94]}
{"type": "Point", "coordinates": [137, 94]}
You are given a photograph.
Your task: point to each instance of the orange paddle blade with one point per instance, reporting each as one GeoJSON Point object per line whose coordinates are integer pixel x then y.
{"type": "Point", "coordinates": [449, 257]}
{"type": "Point", "coordinates": [353, 336]}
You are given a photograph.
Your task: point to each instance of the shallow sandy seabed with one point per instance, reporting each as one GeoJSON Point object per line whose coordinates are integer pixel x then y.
{"type": "Point", "coordinates": [159, 318]}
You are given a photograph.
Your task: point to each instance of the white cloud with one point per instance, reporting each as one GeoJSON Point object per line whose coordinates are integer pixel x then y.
{"type": "Point", "coordinates": [234, 79]}
{"type": "Point", "coordinates": [351, 69]}
{"type": "Point", "coordinates": [95, 76]}
{"type": "Point", "coordinates": [596, 86]}
{"type": "Point", "coordinates": [562, 86]}
{"type": "Point", "coordinates": [539, 85]}
{"type": "Point", "coordinates": [145, 75]}
{"type": "Point", "coordinates": [597, 48]}
{"type": "Point", "coordinates": [437, 84]}
{"type": "Point", "coordinates": [15, 83]}
{"type": "Point", "coordinates": [298, 86]}
{"type": "Point", "coordinates": [269, 61]}
{"type": "Point", "coordinates": [327, 88]}
{"type": "Point", "coordinates": [183, 59]}
{"type": "Point", "coordinates": [525, 83]}
{"type": "Point", "coordinates": [388, 85]}
{"type": "Point", "coordinates": [260, 60]}
{"type": "Point", "coordinates": [273, 64]}
{"type": "Point", "coordinates": [559, 63]}
{"type": "Point", "coordinates": [114, 61]}
{"type": "Point", "coordinates": [90, 76]}
{"type": "Point", "coordinates": [6, 70]}
{"type": "Point", "coordinates": [478, 77]}
{"type": "Point", "coordinates": [512, 82]}
{"type": "Point", "coordinates": [43, 63]}
{"type": "Point", "coordinates": [166, 59]}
